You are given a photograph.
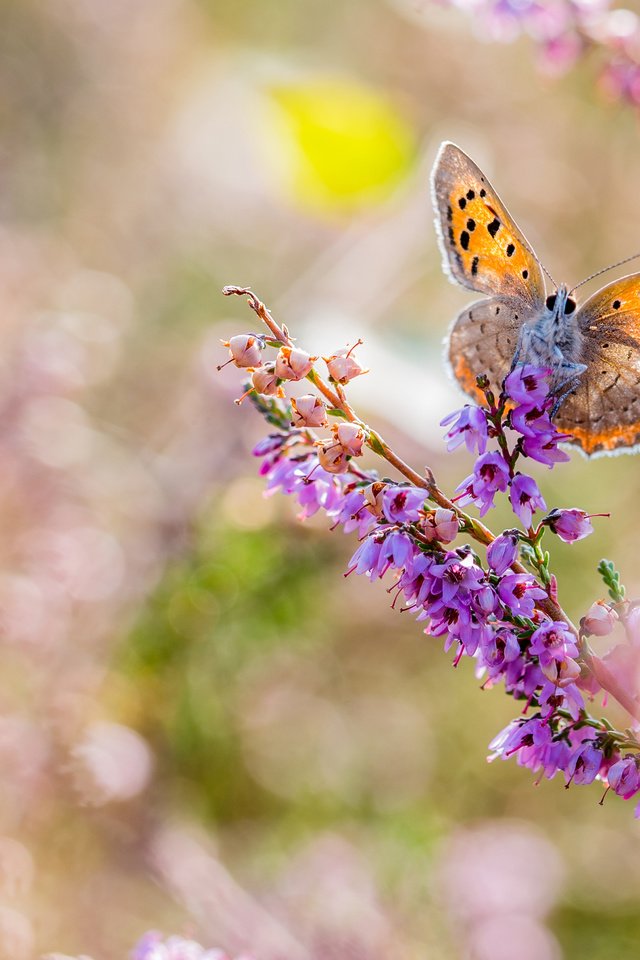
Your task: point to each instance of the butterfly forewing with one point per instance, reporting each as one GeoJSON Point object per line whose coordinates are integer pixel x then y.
{"type": "Point", "coordinates": [481, 245]}
{"type": "Point", "coordinates": [603, 413]}
{"type": "Point", "coordinates": [483, 340]}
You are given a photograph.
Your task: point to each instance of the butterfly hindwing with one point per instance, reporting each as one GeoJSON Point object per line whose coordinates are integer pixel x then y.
{"type": "Point", "coordinates": [603, 414]}
{"type": "Point", "coordinates": [482, 247]}
{"type": "Point", "coordinates": [483, 340]}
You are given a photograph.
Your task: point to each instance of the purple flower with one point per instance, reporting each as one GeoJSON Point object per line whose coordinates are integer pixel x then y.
{"type": "Point", "coordinates": [624, 777]}
{"type": "Point", "coordinates": [366, 558]}
{"type": "Point", "coordinates": [268, 445]}
{"type": "Point", "coordinates": [570, 525]}
{"type": "Point", "coordinates": [503, 552]}
{"type": "Point", "coordinates": [499, 648]}
{"type": "Point", "coordinates": [355, 515]}
{"type": "Point", "coordinates": [528, 385]}
{"type": "Point", "coordinates": [584, 764]}
{"type": "Point", "coordinates": [468, 426]}
{"type": "Point", "coordinates": [531, 421]}
{"type": "Point", "coordinates": [525, 498]}
{"type": "Point", "coordinates": [457, 574]}
{"type": "Point", "coordinates": [397, 551]}
{"type": "Point", "coordinates": [490, 475]}
{"type": "Point", "coordinates": [402, 504]}
{"type": "Point", "coordinates": [544, 448]}
{"type": "Point", "coordinates": [553, 641]}
{"type": "Point", "coordinates": [518, 592]}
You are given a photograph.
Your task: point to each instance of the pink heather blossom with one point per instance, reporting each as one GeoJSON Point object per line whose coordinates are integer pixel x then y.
{"type": "Point", "coordinates": [292, 363]}
{"type": "Point", "coordinates": [266, 382]}
{"type": "Point", "coordinates": [350, 436]}
{"type": "Point", "coordinates": [599, 620]}
{"type": "Point", "coordinates": [308, 411]}
{"type": "Point", "coordinates": [343, 366]}
{"type": "Point", "coordinates": [441, 524]}
{"type": "Point", "coordinates": [332, 456]}
{"type": "Point", "coordinates": [570, 525]}
{"type": "Point", "coordinates": [245, 349]}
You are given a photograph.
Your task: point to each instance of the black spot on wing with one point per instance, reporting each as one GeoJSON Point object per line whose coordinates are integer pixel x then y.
{"type": "Point", "coordinates": [449, 213]}
{"type": "Point", "coordinates": [494, 226]}
{"type": "Point", "coordinates": [474, 265]}
{"type": "Point", "coordinates": [471, 224]}
{"type": "Point", "coordinates": [616, 304]}
{"type": "Point", "coordinates": [464, 240]}
{"type": "Point", "coordinates": [525, 274]}
{"type": "Point", "coordinates": [471, 194]}
{"type": "Point", "coordinates": [462, 202]}
{"type": "Point", "coordinates": [483, 192]}
{"type": "Point", "coordinates": [511, 249]}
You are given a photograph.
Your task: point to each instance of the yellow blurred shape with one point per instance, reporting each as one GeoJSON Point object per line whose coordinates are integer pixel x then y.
{"type": "Point", "coordinates": [336, 144]}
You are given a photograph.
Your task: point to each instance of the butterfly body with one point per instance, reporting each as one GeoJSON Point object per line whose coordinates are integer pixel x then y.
{"type": "Point", "coordinates": [593, 350]}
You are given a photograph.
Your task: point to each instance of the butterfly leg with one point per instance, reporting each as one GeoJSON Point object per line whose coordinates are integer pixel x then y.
{"type": "Point", "coordinates": [567, 386]}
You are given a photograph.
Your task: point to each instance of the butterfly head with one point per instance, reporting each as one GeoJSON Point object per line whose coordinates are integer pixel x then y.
{"type": "Point", "coordinates": [560, 304]}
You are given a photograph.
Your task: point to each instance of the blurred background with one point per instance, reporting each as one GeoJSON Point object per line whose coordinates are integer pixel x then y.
{"type": "Point", "coordinates": [204, 728]}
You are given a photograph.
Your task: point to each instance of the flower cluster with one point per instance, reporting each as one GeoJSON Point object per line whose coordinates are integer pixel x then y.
{"type": "Point", "coordinates": [502, 612]}
{"type": "Point", "coordinates": [153, 946]}
{"type": "Point", "coordinates": [563, 31]}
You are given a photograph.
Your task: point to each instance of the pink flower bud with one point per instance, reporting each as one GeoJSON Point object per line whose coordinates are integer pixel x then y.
{"type": "Point", "coordinates": [374, 499]}
{"type": "Point", "coordinates": [292, 363]}
{"type": "Point", "coordinates": [265, 381]}
{"type": "Point", "coordinates": [570, 525]}
{"type": "Point", "coordinates": [343, 366]}
{"type": "Point", "coordinates": [561, 672]}
{"type": "Point", "coordinates": [308, 411]}
{"type": "Point", "coordinates": [350, 436]}
{"type": "Point", "coordinates": [600, 619]}
{"type": "Point", "coordinates": [441, 524]}
{"type": "Point", "coordinates": [332, 456]}
{"type": "Point", "coordinates": [245, 349]}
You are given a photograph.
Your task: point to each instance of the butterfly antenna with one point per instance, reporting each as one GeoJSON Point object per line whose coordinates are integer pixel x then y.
{"type": "Point", "coordinates": [633, 256]}
{"type": "Point", "coordinates": [555, 285]}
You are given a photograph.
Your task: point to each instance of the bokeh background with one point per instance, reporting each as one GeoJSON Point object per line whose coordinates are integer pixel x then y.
{"type": "Point", "coordinates": [204, 728]}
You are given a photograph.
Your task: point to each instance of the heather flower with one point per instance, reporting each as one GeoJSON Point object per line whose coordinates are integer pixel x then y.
{"type": "Point", "coordinates": [374, 498]}
{"type": "Point", "coordinates": [518, 592]}
{"type": "Point", "coordinates": [343, 366]}
{"type": "Point", "coordinates": [624, 777]}
{"type": "Point", "coordinates": [544, 448]}
{"type": "Point", "coordinates": [561, 672]}
{"type": "Point", "coordinates": [570, 525]}
{"type": "Point", "coordinates": [457, 574]}
{"type": "Point", "coordinates": [490, 475]}
{"type": "Point", "coordinates": [528, 385]}
{"type": "Point", "coordinates": [468, 426]}
{"type": "Point", "coordinates": [525, 498]}
{"type": "Point", "coordinates": [266, 381]}
{"type": "Point", "coordinates": [366, 558]}
{"type": "Point", "coordinates": [402, 504]}
{"type": "Point", "coordinates": [152, 946]}
{"type": "Point", "coordinates": [354, 514]}
{"type": "Point", "coordinates": [245, 349]}
{"type": "Point", "coordinates": [308, 411]}
{"type": "Point", "coordinates": [397, 551]}
{"type": "Point", "coordinates": [585, 763]}
{"type": "Point", "coordinates": [502, 553]}
{"type": "Point", "coordinates": [332, 456]}
{"type": "Point", "coordinates": [350, 436]}
{"type": "Point", "coordinates": [270, 444]}
{"type": "Point", "coordinates": [553, 641]}
{"type": "Point", "coordinates": [531, 421]}
{"type": "Point", "coordinates": [441, 525]}
{"type": "Point", "coordinates": [292, 363]}
{"type": "Point", "coordinates": [599, 620]}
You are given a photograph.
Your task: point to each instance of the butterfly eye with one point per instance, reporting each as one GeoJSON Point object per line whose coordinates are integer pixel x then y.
{"type": "Point", "coordinates": [569, 306]}
{"type": "Point", "coordinates": [551, 301]}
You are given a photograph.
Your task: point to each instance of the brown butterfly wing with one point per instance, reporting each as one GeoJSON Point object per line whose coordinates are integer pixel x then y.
{"type": "Point", "coordinates": [483, 340]}
{"type": "Point", "coordinates": [482, 247]}
{"type": "Point", "coordinates": [603, 415]}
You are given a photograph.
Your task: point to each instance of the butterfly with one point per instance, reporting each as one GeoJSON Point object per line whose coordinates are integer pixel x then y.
{"type": "Point", "coordinates": [593, 350]}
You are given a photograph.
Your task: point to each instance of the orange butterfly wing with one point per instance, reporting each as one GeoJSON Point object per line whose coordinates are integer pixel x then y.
{"type": "Point", "coordinates": [482, 247]}
{"type": "Point", "coordinates": [603, 414]}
